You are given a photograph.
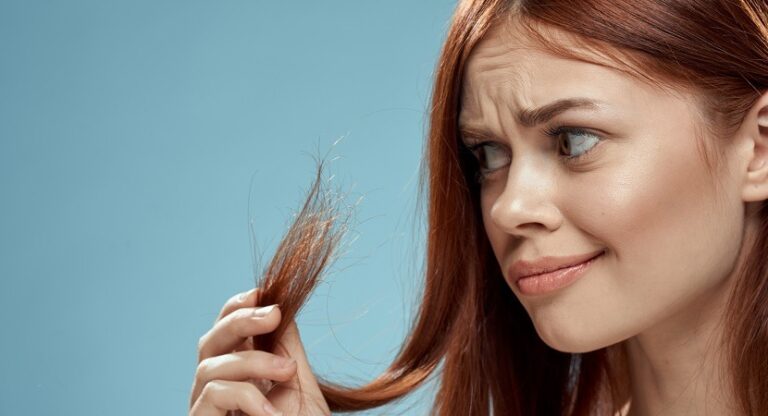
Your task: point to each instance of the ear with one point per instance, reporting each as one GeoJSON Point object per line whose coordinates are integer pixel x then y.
{"type": "Point", "coordinates": [754, 130]}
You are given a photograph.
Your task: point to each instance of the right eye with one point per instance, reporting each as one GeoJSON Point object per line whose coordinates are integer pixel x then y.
{"type": "Point", "coordinates": [490, 156]}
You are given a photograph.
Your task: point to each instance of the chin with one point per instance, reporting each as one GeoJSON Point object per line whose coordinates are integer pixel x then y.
{"type": "Point", "coordinates": [573, 338]}
{"type": "Point", "coordinates": [573, 346]}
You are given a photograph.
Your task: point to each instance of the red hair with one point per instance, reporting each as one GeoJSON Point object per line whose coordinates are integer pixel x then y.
{"type": "Point", "coordinates": [470, 327]}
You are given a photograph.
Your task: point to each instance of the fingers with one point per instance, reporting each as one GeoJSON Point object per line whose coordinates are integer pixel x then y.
{"type": "Point", "coordinates": [231, 376]}
{"type": "Point", "coordinates": [234, 328]}
{"type": "Point", "coordinates": [304, 380]}
{"type": "Point", "coordinates": [220, 396]}
{"type": "Point", "coordinates": [241, 366]}
{"type": "Point", "coordinates": [240, 300]}
{"type": "Point", "coordinates": [292, 346]}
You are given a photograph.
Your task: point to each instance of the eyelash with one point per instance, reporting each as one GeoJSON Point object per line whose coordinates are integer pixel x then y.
{"type": "Point", "coordinates": [556, 131]}
{"type": "Point", "coordinates": [553, 132]}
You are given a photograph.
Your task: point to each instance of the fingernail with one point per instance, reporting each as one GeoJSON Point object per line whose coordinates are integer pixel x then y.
{"type": "Point", "coordinates": [262, 312]}
{"type": "Point", "coordinates": [271, 410]}
{"type": "Point", "coordinates": [282, 362]}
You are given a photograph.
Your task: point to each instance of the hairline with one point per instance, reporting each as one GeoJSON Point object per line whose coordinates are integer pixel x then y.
{"type": "Point", "coordinates": [635, 64]}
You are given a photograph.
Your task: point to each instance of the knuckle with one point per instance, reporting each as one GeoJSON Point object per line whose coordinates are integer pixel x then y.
{"type": "Point", "coordinates": [203, 369]}
{"type": "Point", "coordinates": [209, 392]}
{"type": "Point", "coordinates": [250, 397]}
{"type": "Point", "coordinates": [242, 296]}
{"type": "Point", "coordinates": [233, 301]}
{"type": "Point", "coordinates": [202, 344]}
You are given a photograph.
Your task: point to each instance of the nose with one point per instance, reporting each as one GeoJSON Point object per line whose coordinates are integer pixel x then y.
{"type": "Point", "coordinates": [525, 205]}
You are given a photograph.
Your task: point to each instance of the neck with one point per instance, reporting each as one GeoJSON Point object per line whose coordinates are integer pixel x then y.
{"type": "Point", "coordinates": [680, 367]}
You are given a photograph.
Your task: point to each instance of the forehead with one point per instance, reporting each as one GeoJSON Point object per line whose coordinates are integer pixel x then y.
{"type": "Point", "coordinates": [509, 66]}
{"type": "Point", "coordinates": [501, 49]}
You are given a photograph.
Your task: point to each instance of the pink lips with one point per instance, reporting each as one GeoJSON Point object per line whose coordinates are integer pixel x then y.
{"type": "Point", "coordinates": [550, 273]}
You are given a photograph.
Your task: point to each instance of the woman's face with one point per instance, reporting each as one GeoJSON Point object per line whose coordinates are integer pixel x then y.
{"type": "Point", "coordinates": [642, 193]}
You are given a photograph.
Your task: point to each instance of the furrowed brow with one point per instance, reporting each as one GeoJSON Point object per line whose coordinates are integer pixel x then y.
{"type": "Point", "coordinates": [536, 116]}
{"type": "Point", "coordinates": [469, 132]}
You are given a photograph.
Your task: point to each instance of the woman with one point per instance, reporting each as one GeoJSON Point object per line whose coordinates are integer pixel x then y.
{"type": "Point", "coordinates": [623, 143]}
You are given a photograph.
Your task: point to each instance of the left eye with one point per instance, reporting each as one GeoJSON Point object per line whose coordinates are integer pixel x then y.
{"type": "Point", "coordinates": [575, 140]}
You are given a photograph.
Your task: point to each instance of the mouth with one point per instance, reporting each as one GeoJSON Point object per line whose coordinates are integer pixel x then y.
{"type": "Point", "coordinates": [546, 282]}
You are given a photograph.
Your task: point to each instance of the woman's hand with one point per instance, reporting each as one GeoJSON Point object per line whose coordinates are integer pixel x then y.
{"type": "Point", "coordinates": [231, 375]}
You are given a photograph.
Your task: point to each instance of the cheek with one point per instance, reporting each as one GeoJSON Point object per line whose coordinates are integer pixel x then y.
{"type": "Point", "coordinates": [671, 239]}
{"type": "Point", "coordinates": [663, 219]}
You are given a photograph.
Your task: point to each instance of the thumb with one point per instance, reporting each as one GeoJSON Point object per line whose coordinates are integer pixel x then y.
{"type": "Point", "coordinates": [286, 394]}
{"type": "Point", "coordinates": [292, 346]}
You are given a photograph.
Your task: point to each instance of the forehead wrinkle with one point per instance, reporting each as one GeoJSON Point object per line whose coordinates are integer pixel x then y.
{"type": "Point", "coordinates": [498, 90]}
{"type": "Point", "coordinates": [493, 71]}
{"type": "Point", "coordinates": [480, 108]}
{"type": "Point", "coordinates": [491, 55]}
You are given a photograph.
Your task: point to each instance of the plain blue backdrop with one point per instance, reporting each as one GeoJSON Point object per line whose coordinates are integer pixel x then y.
{"type": "Point", "coordinates": [131, 137]}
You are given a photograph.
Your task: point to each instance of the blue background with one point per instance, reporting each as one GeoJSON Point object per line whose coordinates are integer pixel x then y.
{"type": "Point", "coordinates": [131, 137]}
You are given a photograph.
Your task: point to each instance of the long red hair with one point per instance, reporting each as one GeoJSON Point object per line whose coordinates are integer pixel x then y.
{"type": "Point", "coordinates": [470, 327]}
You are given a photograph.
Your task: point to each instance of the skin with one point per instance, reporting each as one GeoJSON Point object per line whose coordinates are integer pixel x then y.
{"type": "Point", "coordinates": [672, 232]}
{"type": "Point", "coordinates": [643, 194]}
{"type": "Point", "coordinates": [232, 376]}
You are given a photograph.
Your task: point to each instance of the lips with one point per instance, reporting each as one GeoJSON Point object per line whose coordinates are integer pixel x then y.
{"type": "Point", "coordinates": [522, 268]}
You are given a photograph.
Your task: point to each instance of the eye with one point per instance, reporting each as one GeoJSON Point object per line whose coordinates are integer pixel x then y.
{"type": "Point", "coordinates": [490, 157]}
{"type": "Point", "coordinates": [574, 140]}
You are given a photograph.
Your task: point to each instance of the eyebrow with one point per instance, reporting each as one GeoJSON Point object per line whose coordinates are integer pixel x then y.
{"type": "Point", "coordinates": [536, 116]}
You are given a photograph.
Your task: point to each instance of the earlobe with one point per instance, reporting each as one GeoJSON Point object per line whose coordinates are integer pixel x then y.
{"type": "Point", "coordinates": [756, 185]}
